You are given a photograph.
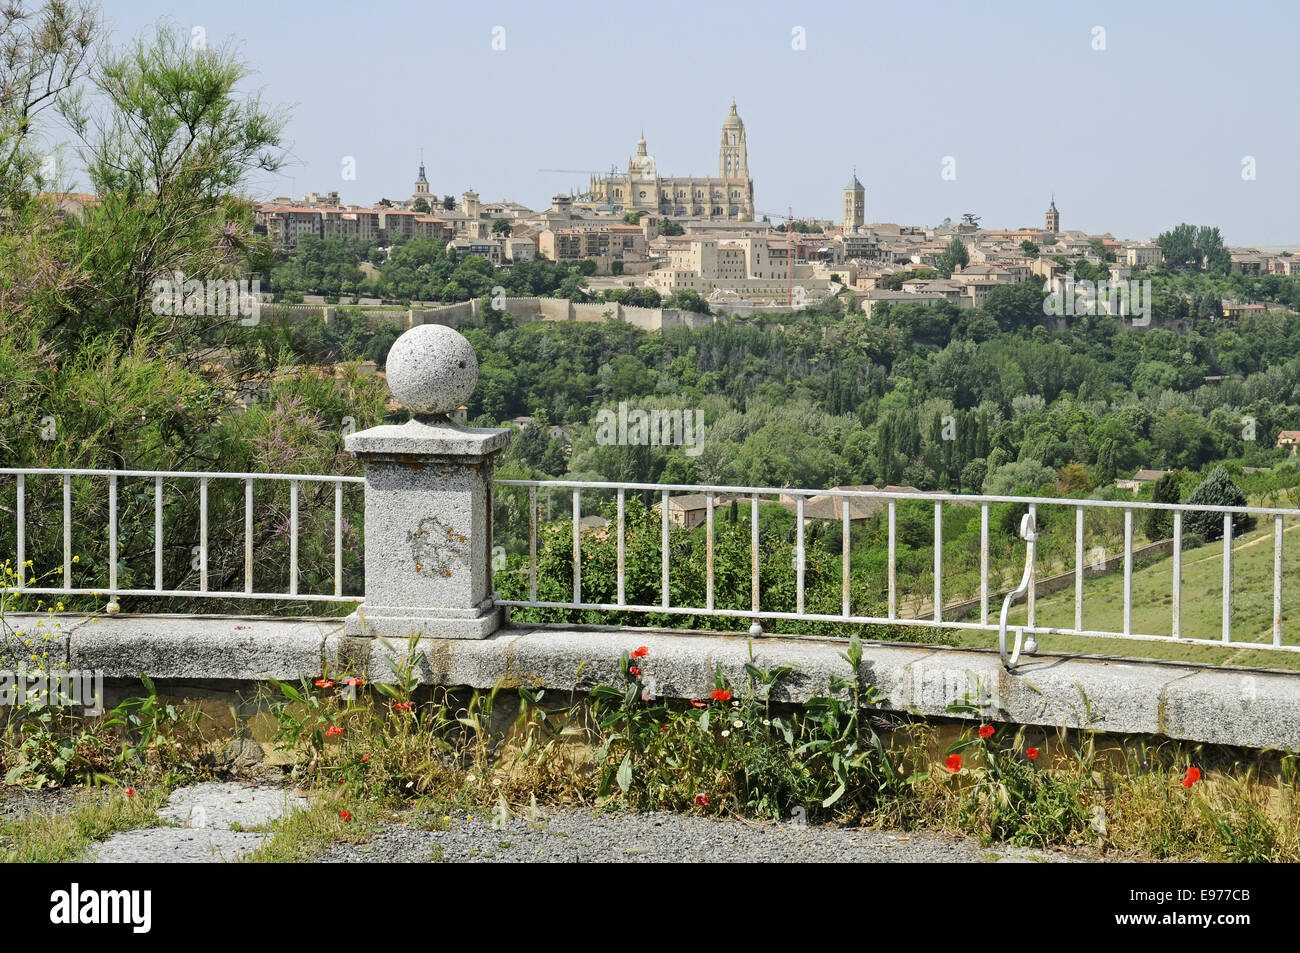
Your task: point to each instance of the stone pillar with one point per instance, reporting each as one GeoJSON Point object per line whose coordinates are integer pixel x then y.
{"type": "Point", "coordinates": [428, 533]}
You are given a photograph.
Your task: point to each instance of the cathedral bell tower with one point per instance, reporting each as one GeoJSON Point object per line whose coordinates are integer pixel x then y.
{"type": "Point", "coordinates": [733, 154]}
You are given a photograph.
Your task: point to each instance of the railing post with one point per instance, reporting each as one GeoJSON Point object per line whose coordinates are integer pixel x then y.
{"type": "Point", "coordinates": [428, 529]}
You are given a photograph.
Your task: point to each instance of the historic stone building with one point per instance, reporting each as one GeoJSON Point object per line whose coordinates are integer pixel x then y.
{"type": "Point", "coordinates": [1053, 218]}
{"type": "Point", "coordinates": [855, 205]}
{"type": "Point", "coordinates": [641, 189]}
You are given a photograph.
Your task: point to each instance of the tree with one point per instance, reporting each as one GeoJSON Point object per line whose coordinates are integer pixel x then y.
{"type": "Point", "coordinates": [421, 205]}
{"type": "Point", "coordinates": [668, 227]}
{"type": "Point", "coordinates": [501, 226]}
{"type": "Point", "coordinates": [1216, 490]}
{"type": "Point", "coordinates": [165, 144]}
{"type": "Point", "coordinates": [1029, 248]}
{"type": "Point", "coordinates": [687, 300]}
{"type": "Point", "coordinates": [954, 256]}
{"type": "Point", "coordinates": [448, 202]}
{"type": "Point", "coordinates": [970, 218]}
{"type": "Point", "coordinates": [1159, 524]}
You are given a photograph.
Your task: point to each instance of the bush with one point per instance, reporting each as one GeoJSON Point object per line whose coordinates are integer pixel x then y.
{"type": "Point", "coordinates": [1216, 490]}
{"type": "Point", "coordinates": [1159, 524]}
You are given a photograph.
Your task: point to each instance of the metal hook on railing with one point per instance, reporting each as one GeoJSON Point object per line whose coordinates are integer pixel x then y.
{"type": "Point", "coordinates": [1029, 533]}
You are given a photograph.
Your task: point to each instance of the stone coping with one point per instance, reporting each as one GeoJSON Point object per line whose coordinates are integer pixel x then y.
{"type": "Point", "coordinates": [1233, 706]}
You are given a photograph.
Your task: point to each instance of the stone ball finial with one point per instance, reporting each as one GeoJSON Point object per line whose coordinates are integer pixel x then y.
{"type": "Point", "coordinates": [432, 370]}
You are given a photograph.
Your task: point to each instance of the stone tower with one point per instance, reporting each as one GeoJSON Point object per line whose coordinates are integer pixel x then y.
{"type": "Point", "coordinates": [733, 154]}
{"type": "Point", "coordinates": [422, 186]}
{"type": "Point", "coordinates": [855, 204]}
{"type": "Point", "coordinates": [1053, 217]}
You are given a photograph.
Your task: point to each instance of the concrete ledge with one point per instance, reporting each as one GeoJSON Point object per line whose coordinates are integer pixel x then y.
{"type": "Point", "coordinates": [1249, 708]}
{"type": "Point", "coordinates": [199, 647]}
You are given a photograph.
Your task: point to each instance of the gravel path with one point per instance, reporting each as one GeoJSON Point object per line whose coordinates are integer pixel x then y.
{"type": "Point", "coordinates": [590, 837]}
{"type": "Point", "coordinates": [207, 822]}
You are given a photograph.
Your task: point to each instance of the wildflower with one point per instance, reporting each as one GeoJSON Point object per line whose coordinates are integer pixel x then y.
{"type": "Point", "coordinates": [767, 722]}
{"type": "Point", "coordinates": [698, 704]}
{"type": "Point", "coordinates": [130, 792]}
{"type": "Point", "coordinates": [726, 733]}
{"type": "Point", "coordinates": [346, 815]}
{"type": "Point", "coordinates": [354, 681]}
{"type": "Point", "coordinates": [402, 706]}
{"type": "Point", "coordinates": [365, 757]}
{"type": "Point", "coordinates": [642, 652]}
{"type": "Point", "coordinates": [646, 696]}
{"type": "Point", "coordinates": [953, 763]}
{"type": "Point", "coordinates": [1031, 753]}
{"type": "Point", "coordinates": [469, 777]}
{"type": "Point", "coordinates": [721, 695]}
{"type": "Point", "coordinates": [702, 799]}
{"type": "Point", "coordinates": [663, 730]}
{"type": "Point", "coordinates": [633, 671]}
{"type": "Point", "coordinates": [324, 683]}
{"type": "Point", "coordinates": [986, 731]}
{"type": "Point", "coordinates": [1193, 775]}
{"type": "Point", "coordinates": [333, 730]}
{"type": "Point", "coordinates": [341, 781]}
{"type": "Point", "coordinates": [496, 782]}
{"type": "Point", "coordinates": [737, 724]}
{"type": "Point", "coordinates": [76, 559]}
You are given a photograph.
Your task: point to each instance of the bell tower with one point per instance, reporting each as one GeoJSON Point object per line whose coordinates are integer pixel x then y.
{"type": "Point", "coordinates": [855, 204]}
{"type": "Point", "coordinates": [733, 154]}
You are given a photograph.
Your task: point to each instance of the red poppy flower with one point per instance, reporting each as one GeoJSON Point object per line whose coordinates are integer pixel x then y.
{"type": "Point", "coordinates": [346, 815]}
{"type": "Point", "coordinates": [402, 706]}
{"type": "Point", "coordinates": [633, 670]}
{"type": "Point", "coordinates": [642, 652]}
{"type": "Point", "coordinates": [699, 704]}
{"type": "Point", "coordinates": [986, 731]}
{"type": "Point", "coordinates": [324, 683]}
{"type": "Point", "coordinates": [358, 682]}
{"type": "Point", "coordinates": [341, 781]}
{"type": "Point", "coordinates": [1031, 753]}
{"type": "Point", "coordinates": [701, 799]}
{"type": "Point", "coordinates": [1193, 775]}
{"type": "Point", "coordinates": [333, 730]}
{"type": "Point", "coordinates": [721, 695]}
{"type": "Point", "coordinates": [953, 763]}
{"type": "Point", "coordinates": [365, 757]}
{"type": "Point", "coordinates": [130, 792]}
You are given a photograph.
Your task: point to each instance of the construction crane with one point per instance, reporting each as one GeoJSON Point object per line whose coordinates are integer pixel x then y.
{"type": "Point", "coordinates": [610, 174]}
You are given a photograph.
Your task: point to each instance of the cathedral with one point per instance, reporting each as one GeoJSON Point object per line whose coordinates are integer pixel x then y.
{"type": "Point", "coordinates": [642, 189]}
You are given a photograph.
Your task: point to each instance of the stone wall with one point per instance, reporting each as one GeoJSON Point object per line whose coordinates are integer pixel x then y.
{"type": "Point", "coordinates": [525, 310]}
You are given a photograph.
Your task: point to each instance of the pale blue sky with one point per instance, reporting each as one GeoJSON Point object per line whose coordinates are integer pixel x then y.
{"type": "Point", "coordinates": [1132, 139]}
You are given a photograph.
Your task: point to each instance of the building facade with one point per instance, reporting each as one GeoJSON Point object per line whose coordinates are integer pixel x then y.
{"type": "Point", "coordinates": [641, 189]}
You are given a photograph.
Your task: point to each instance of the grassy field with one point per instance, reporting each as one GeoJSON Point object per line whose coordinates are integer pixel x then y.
{"type": "Point", "coordinates": [1201, 609]}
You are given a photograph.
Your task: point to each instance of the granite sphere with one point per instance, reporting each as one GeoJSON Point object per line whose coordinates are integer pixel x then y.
{"type": "Point", "coordinates": [432, 369]}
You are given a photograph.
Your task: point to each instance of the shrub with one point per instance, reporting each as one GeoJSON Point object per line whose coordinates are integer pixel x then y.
{"type": "Point", "coordinates": [1159, 524]}
{"type": "Point", "coordinates": [1216, 490]}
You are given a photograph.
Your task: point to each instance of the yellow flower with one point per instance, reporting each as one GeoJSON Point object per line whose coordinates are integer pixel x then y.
{"type": "Point", "coordinates": [76, 559]}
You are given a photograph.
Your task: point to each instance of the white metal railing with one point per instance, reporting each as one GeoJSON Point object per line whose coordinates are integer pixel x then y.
{"type": "Point", "coordinates": [109, 587]}
{"type": "Point", "coordinates": [1027, 588]}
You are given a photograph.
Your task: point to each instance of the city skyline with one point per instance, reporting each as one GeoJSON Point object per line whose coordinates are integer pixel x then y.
{"type": "Point", "coordinates": [1122, 115]}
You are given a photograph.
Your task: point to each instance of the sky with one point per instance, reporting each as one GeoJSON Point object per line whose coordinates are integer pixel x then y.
{"type": "Point", "coordinates": [1135, 116]}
